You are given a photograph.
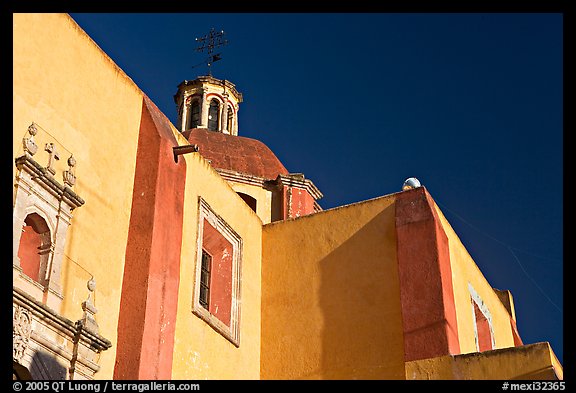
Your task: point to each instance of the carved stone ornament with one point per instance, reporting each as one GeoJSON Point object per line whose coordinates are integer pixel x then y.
{"type": "Point", "coordinates": [21, 329]}
{"type": "Point", "coordinates": [69, 176]}
{"type": "Point", "coordinates": [54, 155]}
{"type": "Point", "coordinates": [29, 144]}
{"type": "Point", "coordinates": [32, 130]}
{"type": "Point", "coordinates": [89, 309]}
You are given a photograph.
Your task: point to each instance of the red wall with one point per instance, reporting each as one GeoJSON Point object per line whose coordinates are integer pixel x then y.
{"type": "Point", "coordinates": [517, 340]}
{"type": "Point", "coordinates": [28, 252]}
{"type": "Point", "coordinates": [149, 296]}
{"type": "Point", "coordinates": [297, 202]}
{"type": "Point", "coordinates": [426, 292]}
{"type": "Point", "coordinates": [220, 304]}
{"type": "Point", "coordinates": [483, 330]}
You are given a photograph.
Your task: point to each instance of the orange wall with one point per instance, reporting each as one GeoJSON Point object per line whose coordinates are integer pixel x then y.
{"type": "Point", "coordinates": [330, 295]}
{"type": "Point", "coordinates": [152, 263]}
{"type": "Point", "coordinates": [87, 106]}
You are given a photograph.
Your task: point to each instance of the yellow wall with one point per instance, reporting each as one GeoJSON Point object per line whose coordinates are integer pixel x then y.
{"type": "Point", "coordinates": [464, 272]}
{"type": "Point", "coordinates": [331, 297]}
{"type": "Point", "coordinates": [529, 362]}
{"type": "Point", "coordinates": [74, 92]}
{"type": "Point", "coordinates": [199, 351]}
{"type": "Point", "coordinates": [83, 102]}
{"type": "Point", "coordinates": [330, 293]}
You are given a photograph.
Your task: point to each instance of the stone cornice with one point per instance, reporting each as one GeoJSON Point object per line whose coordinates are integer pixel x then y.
{"type": "Point", "coordinates": [42, 176]}
{"type": "Point", "coordinates": [213, 81]}
{"type": "Point", "coordinates": [298, 180]}
{"type": "Point", "coordinates": [59, 322]}
{"type": "Point", "coordinates": [88, 336]}
{"type": "Point", "coordinates": [43, 312]}
{"type": "Point", "coordinates": [242, 177]}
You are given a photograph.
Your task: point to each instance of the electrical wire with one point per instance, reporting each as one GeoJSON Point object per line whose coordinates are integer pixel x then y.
{"type": "Point", "coordinates": [510, 249]}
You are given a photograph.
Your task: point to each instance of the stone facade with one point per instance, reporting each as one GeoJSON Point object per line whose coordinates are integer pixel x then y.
{"type": "Point", "coordinates": [47, 344]}
{"type": "Point", "coordinates": [50, 346]}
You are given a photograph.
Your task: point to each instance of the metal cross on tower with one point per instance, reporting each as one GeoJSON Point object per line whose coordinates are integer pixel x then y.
{"type": "Point", "coordinates": [209, 42]}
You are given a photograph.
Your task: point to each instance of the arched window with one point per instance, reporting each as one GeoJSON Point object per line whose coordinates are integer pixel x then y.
{"type": "Point", "coordinates": [213, 114]}
{"type": "Point", "coordinates": [230, 119]}
{"type": "Point", "coordinates": [250, 201]}
{"type": "Point", "coordinates": [195, 114]}
{"type": "Point", "coordinates": [34, 247]}
{"type": "Point", "coordinates": [43, 209]}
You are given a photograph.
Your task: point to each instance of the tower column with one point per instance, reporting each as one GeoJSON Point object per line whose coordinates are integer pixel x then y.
{"type": "Point", "coordinates": [224, 116]}
{"type": "Point", "coordinates": [204, 111]}
{"type": "Point", "coordinates": [235, 121]}
{"type": "Point", "coordinates": [185, 113]}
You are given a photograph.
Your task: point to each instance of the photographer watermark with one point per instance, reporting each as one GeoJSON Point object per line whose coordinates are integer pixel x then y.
{"type": "Point", "coordinates": [103, 386]}
{"type": "Point", "coordinates": [536, 385]}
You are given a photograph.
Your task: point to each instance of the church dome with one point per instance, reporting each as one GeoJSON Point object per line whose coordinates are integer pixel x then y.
{"type": "Point", "coordinates": [236, 153]}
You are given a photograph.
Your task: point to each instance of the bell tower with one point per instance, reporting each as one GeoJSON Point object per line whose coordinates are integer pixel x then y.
{"type": "Point", "coordinates": [208, 102]}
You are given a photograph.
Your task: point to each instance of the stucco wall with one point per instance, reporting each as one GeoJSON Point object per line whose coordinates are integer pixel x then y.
{"type": "Point", "coordinates": [529, 362]}
{"type": "Point", "coordinates": [86, 105]}
{"type": "Point", "coordinates": [330, 295]}
{"type": "Point", "coordinates": [200, 352]}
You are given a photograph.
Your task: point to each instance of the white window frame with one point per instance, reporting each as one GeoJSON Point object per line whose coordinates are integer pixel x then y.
{"type": "Point", "coordinates": [476, 299]}
{"type": "Point", "coordinates": [232, 333]}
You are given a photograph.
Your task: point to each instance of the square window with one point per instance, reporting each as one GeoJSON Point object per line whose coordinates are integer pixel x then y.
{"type": "Point", "coordinates": [205, 280]}
{"type": "Point", "coordinates": [218, 269]}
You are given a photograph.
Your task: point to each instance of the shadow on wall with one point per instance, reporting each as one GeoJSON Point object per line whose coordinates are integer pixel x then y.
{"type": "Point", "coordinates": [19, 372]}
{"type": "Point", "coordinates": [362, 337]}
{"type": "Point", "coordinates": [45, 367]}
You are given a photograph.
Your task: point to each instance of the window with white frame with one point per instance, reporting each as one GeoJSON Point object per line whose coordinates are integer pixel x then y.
{"type": "Point", "coordinates": [482, 319]}
{"type": "Point", "coordinates": [218, 270]}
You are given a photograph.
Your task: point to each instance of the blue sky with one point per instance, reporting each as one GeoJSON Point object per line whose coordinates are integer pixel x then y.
{"type": "Point", "coordinates": [470, 104]}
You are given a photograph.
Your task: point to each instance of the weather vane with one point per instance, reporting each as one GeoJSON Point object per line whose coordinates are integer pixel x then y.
{"type": "Point", "coordinates": [209, 42]}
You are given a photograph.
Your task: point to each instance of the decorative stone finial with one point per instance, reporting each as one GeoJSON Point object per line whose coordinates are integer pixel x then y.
{"type": "Point", "coordinates": [88, 319]}
{"type": "Point", "coordinates": [69, 176]}
{"type": "Point", "coordinates": [32, 130]}
{"type": "Point", "coordinates": [91, 285]}
{"type": "Point", "coordinates": [30, 146]}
